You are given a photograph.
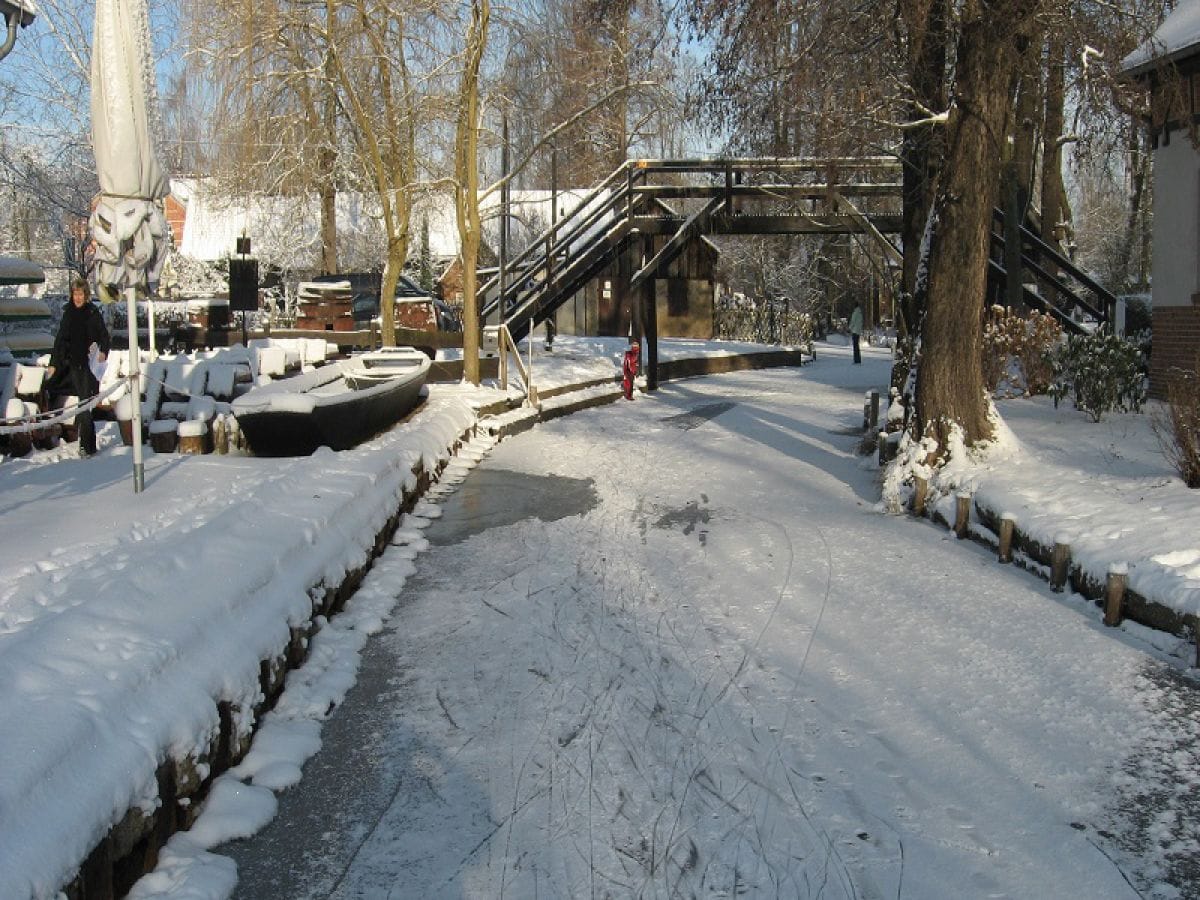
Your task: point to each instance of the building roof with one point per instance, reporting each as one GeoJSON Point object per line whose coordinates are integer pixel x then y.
{"type": "Point", "coordinates": [281, 224]}
{"type": "Point", "coordinates": [1177, 38]}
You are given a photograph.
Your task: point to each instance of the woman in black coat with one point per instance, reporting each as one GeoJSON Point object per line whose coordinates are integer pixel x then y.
{"type": "Point", "coordinates": [81, 326]}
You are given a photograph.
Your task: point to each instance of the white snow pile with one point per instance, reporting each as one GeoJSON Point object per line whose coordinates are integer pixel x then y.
{"type": "Point", "coordinates": [125, 618]}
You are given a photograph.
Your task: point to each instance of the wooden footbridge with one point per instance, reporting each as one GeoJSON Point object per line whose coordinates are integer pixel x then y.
{"type": "Point", "coordinates": [656, 208]}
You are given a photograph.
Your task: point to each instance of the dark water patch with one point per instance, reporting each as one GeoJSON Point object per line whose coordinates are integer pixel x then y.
{"type": "Point", "coordinates": [493, 498]}
{"type": "Point", "coordinates": [694, 418]}
{"type": "Point", "coordinates": [692, 518]}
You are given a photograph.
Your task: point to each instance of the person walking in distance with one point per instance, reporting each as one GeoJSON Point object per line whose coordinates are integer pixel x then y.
{"type": "Point", "coordinates": [82, 327]}
{"type": "Point", "coordinates": [856, 322]}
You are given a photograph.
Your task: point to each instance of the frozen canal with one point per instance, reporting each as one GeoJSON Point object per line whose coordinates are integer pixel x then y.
{"type": "Point", "coordinates": [670, 648]}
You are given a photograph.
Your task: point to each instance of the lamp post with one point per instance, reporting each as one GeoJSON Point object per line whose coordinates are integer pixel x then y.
{"type": "Point", "coordinates": [15, 13]}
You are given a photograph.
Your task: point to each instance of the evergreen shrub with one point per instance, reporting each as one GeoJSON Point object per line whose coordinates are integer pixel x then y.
{"type": "Point", "coordinates": [1100, 372]}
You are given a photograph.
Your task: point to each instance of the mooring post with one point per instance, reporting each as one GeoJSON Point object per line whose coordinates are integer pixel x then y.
{"type": "Point", "coordinates": [1060, 563]}
{"type": "Point", "coordinates": [884, 447]}
{"type": "Point", "coordinates": [874, 401]}
{"type": "Point", "coordinates": [920, 494]}
{"type": "Point", "coordinates": [867, 411]}
{"type": "Point", "coordinates": [1114, 593]}
{"type": "Point", "coordinates": [1008, 523]}
{"type": "Point", "coordinates": [962, 514]}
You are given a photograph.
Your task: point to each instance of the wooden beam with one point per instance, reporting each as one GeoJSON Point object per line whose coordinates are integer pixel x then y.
{"type": "Point", "coordinates": [765, 191]}
{"type": "Point", "coordinates": [868, 227]}
{"type": "Point", "coordinates": [795, 224]}
{"type": "Point", "coordinates": [696, 224]}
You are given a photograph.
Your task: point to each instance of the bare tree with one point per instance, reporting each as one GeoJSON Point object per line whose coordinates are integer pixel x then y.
{"type": "Point", "coordinates": [613, 59]}
{"type": "Point", "coordinates": [275, 103]}
{"type": "Point", "coordinates": [466, 177]}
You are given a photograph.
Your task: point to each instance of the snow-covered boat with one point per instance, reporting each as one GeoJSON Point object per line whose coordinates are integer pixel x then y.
{"type": "Point", "coordinates": [337, 406]}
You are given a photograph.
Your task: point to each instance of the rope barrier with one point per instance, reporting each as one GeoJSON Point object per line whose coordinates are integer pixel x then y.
{"type": "Point", "coordinates": [27, 424]}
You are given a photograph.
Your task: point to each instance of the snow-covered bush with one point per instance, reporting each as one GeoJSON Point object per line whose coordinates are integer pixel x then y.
{"type": "Point", "coordinates": [1017, 351]}
{"type": "Point", "coordinates": [1100, 372]}
{"type": "Point", "coordinates": [1177, 425]}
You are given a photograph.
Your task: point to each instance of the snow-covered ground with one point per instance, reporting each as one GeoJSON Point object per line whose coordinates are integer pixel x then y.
{"type": "Point", "coordinates": [727, 670]}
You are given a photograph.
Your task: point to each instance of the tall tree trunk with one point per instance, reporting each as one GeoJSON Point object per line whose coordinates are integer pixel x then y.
{"type": "Point", "coordinates": [925, 23]}
{"type": "Point", "coordinates": [950, 388]}
{"type": "Point", "coordinates": [1135, 216]}
{"type": "Point", "coordinates": [1027, 124]}
{"type": "Point", "coordinates": [329, 254]}
{"type": "Point", "coordinates": [1056, 209]}
{"type": "Point", "coordinates": [326, 162]}
{"type": "Point", "coordinates": [466, 172]}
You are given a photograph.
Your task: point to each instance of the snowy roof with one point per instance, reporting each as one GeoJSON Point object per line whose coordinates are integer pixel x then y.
{"type": "Point", "coordinates": [215, 221]}
{"type": "Point", "coordinates": [14, 270]}
{"type": "Point", "coordinates": [1177, 37]}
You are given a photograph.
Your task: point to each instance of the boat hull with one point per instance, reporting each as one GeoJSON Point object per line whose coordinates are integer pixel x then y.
{"type": "Point", "coordinates": [295, 416]}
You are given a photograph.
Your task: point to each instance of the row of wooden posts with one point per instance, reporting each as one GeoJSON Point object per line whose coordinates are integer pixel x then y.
{"type": "Point", "coordinates": [1116, 583]}
{"type": "Point", "coordinates": [1060, 557]}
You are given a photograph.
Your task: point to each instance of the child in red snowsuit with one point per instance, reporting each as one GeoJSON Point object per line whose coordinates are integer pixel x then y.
{"type": "Point", "coordinates": [629, 368]}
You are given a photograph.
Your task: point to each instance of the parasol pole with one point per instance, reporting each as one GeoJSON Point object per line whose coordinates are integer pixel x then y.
{"type": "Point", "coordinates": [150, 321]}
{"type": "Point", "coordinates": [135, 391]}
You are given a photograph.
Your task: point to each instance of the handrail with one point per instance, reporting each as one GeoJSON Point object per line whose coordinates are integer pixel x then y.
{"type": "Point", "coordinates": [534, 298]}
{"type": "Point", "coordinates": [567, 229]}
{"type": "Point", "coordinates": [1061, 261]}
{"type": "Point", "coordinates": [505, 343]}
{"type": "Point", "coordinates": [549, 234]}
{"type": "Point", "coordinates": [574, 229]}
{"type": "Point", "coordinates": [1061, 287]}
{"type": "Point", "coordinates": [576, 232]}
{"type": "Point", "coordinates": [1041, 301]}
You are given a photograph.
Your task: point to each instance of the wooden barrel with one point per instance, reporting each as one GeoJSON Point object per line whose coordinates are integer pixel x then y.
{"type": "Point", "coordinates": [193, 437]}
{"type": "Point", "coordinates": [163, 435]}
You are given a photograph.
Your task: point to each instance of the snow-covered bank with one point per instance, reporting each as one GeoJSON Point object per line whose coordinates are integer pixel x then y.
{"type": "Point", "coordinates": [1104, 489]}
{"type": "Point", "coordinates": [109, 603]}
{"type": "Point", "coordinates": [125, 620]}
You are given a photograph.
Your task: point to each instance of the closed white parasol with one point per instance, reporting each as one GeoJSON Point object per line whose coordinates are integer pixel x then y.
{"type": "Point", "coordinates": [127, 224]}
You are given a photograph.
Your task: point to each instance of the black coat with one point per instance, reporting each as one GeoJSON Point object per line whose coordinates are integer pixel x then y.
{"type": "Point", "coordinates": [79, 329]}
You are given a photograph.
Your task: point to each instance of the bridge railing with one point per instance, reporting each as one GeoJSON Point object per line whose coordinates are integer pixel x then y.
{"type": "Point", "coordinates": [573, 233]}
{"type": "Point", "coordinates": [1053, 273]}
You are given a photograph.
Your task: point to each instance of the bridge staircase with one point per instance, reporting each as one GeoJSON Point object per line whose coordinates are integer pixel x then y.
{"type": "Point", "coordinates": [681, 200]}
{"type": "Point", "coordinates": [1050, 282]}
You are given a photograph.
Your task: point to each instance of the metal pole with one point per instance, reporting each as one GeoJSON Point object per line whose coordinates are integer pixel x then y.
{"type": "Point", "coordinates": [504, 195]}
{"type": "Point", "coordinates": [150, 322]}
{"type": "Point", "coordinates": [553, 186]}
{"type": "Point", "coordinates": [135, 391]}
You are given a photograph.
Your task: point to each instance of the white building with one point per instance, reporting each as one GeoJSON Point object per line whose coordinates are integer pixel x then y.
{"type": "Point", "coordinates": [1169, 65]}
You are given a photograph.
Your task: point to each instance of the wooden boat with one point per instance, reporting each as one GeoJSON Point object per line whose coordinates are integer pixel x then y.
{"type": "Point", "coordinates": [337, 405]}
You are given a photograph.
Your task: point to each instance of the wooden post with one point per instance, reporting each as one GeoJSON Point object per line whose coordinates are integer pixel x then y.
{"type": "Point", "coordinates": [1060, 564]}
{"type": "Point", "coordinates": [1007, 524]}
{"type": "Point", "coordinates": [920, 494]}
{"type": "Point", "coordinates": [874, 407]}
{"type": "Point", "coordinates": [1114, 593]}
{"type": "Point", "coordinates": [650, 307]}
{"type": "Point", "coordinates": [881, 441]}
{"type": "Point", "coordinates": [962, 516]}
{"type": "Point", "coordinates": [220, 436]}
{"type": "Point", "coordinates": [867, 411]}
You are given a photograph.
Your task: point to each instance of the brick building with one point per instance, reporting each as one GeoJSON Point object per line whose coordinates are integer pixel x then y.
{"type": "Point", "coordinates": [1169, 66]}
